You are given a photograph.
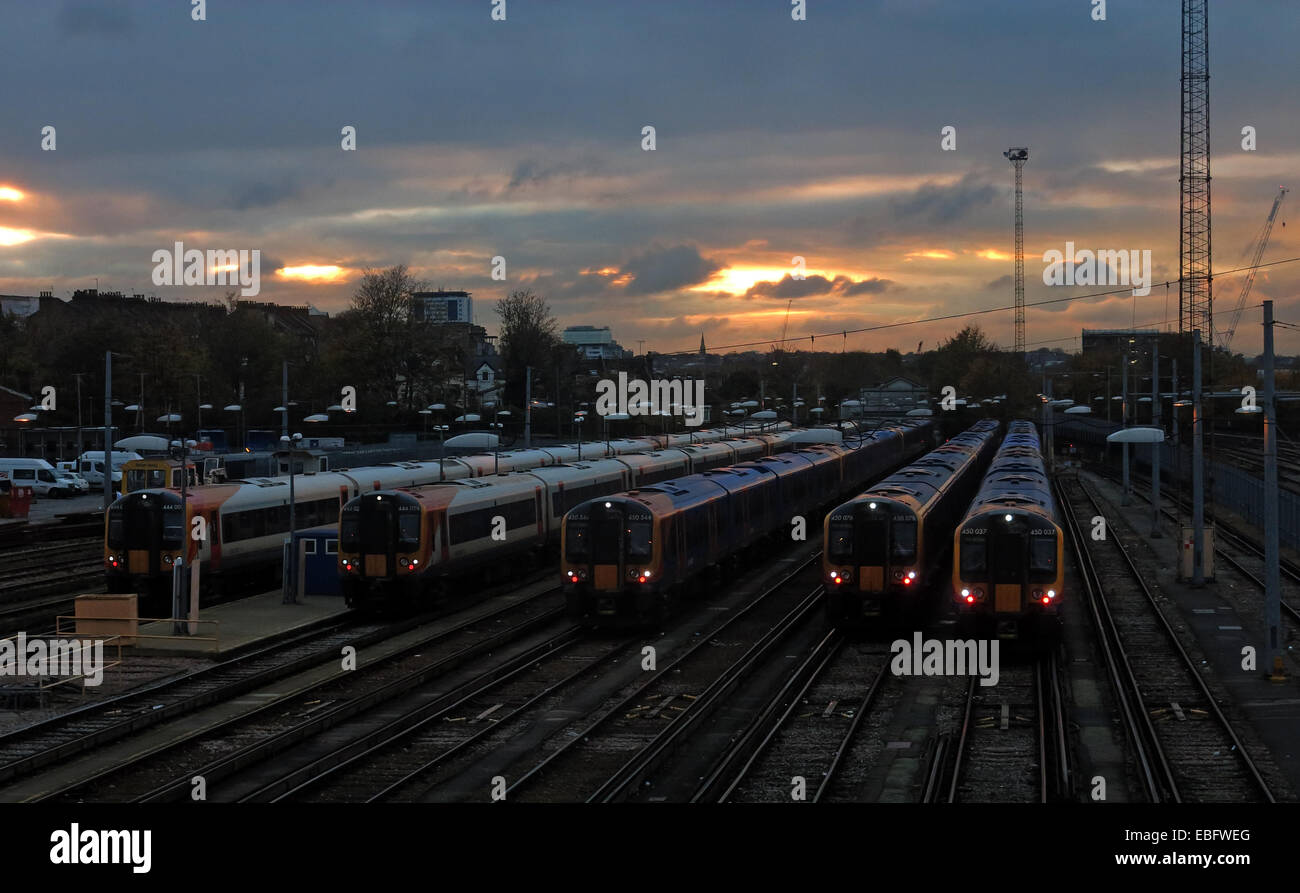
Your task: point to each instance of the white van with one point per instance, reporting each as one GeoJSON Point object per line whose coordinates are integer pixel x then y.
{"type": "Point", "coordinates": [39, 475]}
{"type": "Point", "coordinates": [91, 466]}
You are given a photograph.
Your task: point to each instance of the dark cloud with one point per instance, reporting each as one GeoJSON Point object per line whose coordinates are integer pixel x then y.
{"type": "Point", "coordinates": [1002, 282]}
{"type": "Point", "coordinates": [790, 287]}
{"type": "Point", "coordinates": [665, 269]}
{"type": "Point", "coordinates": [940, 206]}
{"type": "Point", "coordinates": [534, 172]}
{"type": "Point", "coordinates": [872, 286]}
{"type": "Point", "coordinates": [264, 195]}
{"type": "Point", "coordinates": [94, 18]}
{"type": "Point", "coordinates": [570, 284]}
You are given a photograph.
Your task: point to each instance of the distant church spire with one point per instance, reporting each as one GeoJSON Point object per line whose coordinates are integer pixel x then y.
{"type": "Point", "coordinates": [701, 344]}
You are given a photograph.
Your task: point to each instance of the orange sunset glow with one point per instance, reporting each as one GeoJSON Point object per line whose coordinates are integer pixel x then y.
{"type": "Point", "coordinates": [312, 273]}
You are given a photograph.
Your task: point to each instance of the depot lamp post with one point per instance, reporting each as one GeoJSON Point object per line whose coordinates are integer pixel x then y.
{"type": "Point", "coordinates": [287, 444]}
{"type": "Point", "coordinates": [496, 453]}
{"type": "Point", "coordinates": [577, 426]}
{"type": "Point", "coordinates": [442, 431]}
{"type": "Point", "coordinates": [180, 450]}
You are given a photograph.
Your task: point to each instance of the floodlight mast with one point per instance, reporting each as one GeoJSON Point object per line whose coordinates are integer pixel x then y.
{"type": "Point", "coordinates": [1018, 155]}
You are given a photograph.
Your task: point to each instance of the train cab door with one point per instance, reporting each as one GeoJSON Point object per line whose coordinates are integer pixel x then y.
{"type": "Point", "coordinates": [144, 533]}
{"type": "Point", "coordinates": [1007, 562]}
{"type": "Point", "coordinates": [378, 545]}
{"type": "Point", "coordinates": [871, 533]}
{"type": "Point", "coordinates": [605, 527]}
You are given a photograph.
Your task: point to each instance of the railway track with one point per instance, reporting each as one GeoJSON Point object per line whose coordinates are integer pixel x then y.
{"type": "Point", "coordinates": [14, 535]}
{"type": "Point", "coordinates": [1226, 534]}
{"type": "Point", "coordinates": [615, 755]}
{"type": "Point", "coordinates": [388, 736]}
{"type": "Point", "coordinates": [41, 747]}
{"type": "Point", "coordinates": [81, 549]}
{"type": "Point", "coordinates": [1185, 748]}
{"type": "Point", "coordinates": [393, 761]}
{"type": "Point", "coordinates": [414, 754]}
{"type": "Point", "coordinates": [393, 691]}
{"type": "Point", "coordinates": [34, 615]}
{"type": "Point", "coordinates": [806, 728]}
{"type": "Point", "coordinates": [1012, 745]}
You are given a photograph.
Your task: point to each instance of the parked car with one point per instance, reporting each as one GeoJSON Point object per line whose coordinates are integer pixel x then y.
{"type": "Point", "coordinates": [71, 483]}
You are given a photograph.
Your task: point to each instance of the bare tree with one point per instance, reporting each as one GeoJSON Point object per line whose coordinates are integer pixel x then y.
{"type": "Point", "coordinates": [528, 337]}
{"type": "Point", "coordinates": [381, 306]}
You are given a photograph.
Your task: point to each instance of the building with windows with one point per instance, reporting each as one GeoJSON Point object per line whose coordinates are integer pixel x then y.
{"type": "Point", "coordinates": [594, 342]}
{"type": "Point", "coordinates": [441, 307]}
{"type": "Point", "coordinates": [896, 395]}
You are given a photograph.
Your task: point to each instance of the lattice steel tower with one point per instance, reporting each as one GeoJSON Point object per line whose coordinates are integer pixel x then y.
{"type": "Point", "coordinates": [1018, 155]}
{"type": "Point", "coordinates": [1195, 301]}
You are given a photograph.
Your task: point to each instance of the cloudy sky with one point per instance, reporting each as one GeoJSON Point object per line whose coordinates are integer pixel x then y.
{"type": "Point", "coordinates": [522, 139]}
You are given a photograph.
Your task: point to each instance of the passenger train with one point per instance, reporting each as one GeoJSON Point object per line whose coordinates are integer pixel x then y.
{"type": "Point", "coordinates": [405, 546]}
{"type": "Point", "coordinates": [630, 557]}
{"type": "Point", "coordinates": [245, 522]}
{"type": "Point", "coordinates": [885, 547]}
{"type": "Point", "coordinates": [1007, 568]}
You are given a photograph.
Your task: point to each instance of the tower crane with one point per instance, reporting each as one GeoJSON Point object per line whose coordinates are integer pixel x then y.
{"type": "Point", "coordinates": [1226, 337]}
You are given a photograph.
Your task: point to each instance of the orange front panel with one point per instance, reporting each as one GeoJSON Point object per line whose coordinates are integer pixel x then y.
{"type": "Point", "coordinates": [376, 565]}
{"type": "Point", "coordinates": [1007, 598]}
{"type": "Point", "coordinates": [871, 579]}
{"type": "Point", "coordinates": [606, 576]}
{"type": "Point", "coordinates": [137, 562]}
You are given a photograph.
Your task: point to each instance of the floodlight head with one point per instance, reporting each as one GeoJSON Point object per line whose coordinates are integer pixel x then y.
{"type": "Point", "coordinates": [1017, 153]}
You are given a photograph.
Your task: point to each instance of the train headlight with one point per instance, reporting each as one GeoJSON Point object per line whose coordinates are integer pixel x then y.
{"type": "Point", "coordinates": [1007, 518]}
{"type": "Point", "coordinates": [898, 575]}
{"type": "Point", "coordinates": [1051, 593]}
